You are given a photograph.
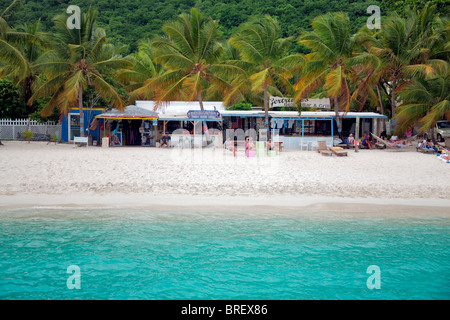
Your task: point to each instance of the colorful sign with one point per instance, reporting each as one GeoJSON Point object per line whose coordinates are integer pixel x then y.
{"type": "Point", "coordinates": [276, 102]}
{"type": "Point", "coordinates": [203, 114]}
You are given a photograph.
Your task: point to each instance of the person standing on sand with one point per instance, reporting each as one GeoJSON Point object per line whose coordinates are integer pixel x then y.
{"type": "Point", "coordinates": [369, 140]}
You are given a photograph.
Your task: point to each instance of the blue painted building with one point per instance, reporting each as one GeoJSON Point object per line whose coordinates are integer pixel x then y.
{"type": "Point", "coordinates": [71, 124]}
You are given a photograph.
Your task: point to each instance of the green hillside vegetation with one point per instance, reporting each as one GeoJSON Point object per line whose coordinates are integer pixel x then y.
{"type": "Point", "coordinates": [126, 22]}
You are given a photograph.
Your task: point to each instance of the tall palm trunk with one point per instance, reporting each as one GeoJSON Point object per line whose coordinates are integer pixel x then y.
{"type": "Point", "coordinates": [338, 118]}
{"type": "Point", "coordinates": [432, 136]}
{"type": "Point", "coordinates": [381, 106]}
{"type": "Point", "coordinates": [28, 93]}
{"type": "Point", "coordinates": [205, 125]}
{"type": "Point", "coordinates": [266, 105]}
{"type": "Point", "coordinates": [80, 108]}
{"type": "Point", "coordinates": [393, 104]}
{"type": "Point", "coordinates": [266, 111]}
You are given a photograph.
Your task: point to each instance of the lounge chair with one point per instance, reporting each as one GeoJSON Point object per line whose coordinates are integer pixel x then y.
{"type": "Point", "coordinates": [321, 145]}
{"type": "Point", "coordinates": [338, 151]}
{"type": "Point", "coordinates": [383, 142]}
{"type": "Point", "coordinates": [323, 149]}
{"type": "Point", "coordinates": [440, 157]}
{"type": "Point", "coordinates": [425, 149]}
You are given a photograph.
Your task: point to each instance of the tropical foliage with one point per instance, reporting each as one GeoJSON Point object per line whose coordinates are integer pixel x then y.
{"type": "Point", "coordinates": [425, 101]}
{"type": "Point", "coordinates": [327, 69]}
{"type": "Point", "coordinates": [78, 60]}
{"type": "Point", "coordinates": [263, 51]}
{"type": "Point", "coordinates": [11, 106]}
{"type": "Point", "coordinates": [128, 22]}
{"type": "Point", "coordinates": [239, 52]}
{"type": "Point", "coordinates": [190, 53]}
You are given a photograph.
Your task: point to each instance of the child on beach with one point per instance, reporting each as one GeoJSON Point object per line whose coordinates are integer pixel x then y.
{"type": "Point", "coordinates": [229, 145]}
{"type": "Point", "coordinates": [165, 141]}
{"type": "Point", "coordinates": [270, 145]}
{"type": "Point", "coordinates": [351, 140]}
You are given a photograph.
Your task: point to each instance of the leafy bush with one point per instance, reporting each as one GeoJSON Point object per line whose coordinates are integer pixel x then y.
{"type": "Point", "coordinates": [240, 106]}
{"type": "Point", "coordinates": [28, 135]}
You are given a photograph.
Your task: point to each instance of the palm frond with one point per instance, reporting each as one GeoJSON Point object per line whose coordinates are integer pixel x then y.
{"type": "Point", "coordinates": [107, 92]}
{"type": "Point", "coordinates": [260, 80]}
{"type": "Point", "coordinates": [334, 82]}
{"type": "Point", "coordinates": [12, 56]}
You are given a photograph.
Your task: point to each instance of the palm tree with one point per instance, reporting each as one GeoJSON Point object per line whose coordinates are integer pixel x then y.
{"type": "Point", "coordinates": [328, 67]}
{"type": "Point", "coordinates": [425, 101]}
{"type": "Point", "coordinates": [144, 68]}
{"type": "Point", "coordinates": [263, 50]}
{"type": "Point", "coordinates": [18, 49]}
{"type": "Point", "coordinates": [76, 62]}
{"type": "Point", "coordinates": [405, 47]}
{"type": "Point", "coordinates": [190, 53]}
{"type": "Point", "coordinates": [385, 64]}
{"type": "Point", "coordinates": [370, 71]}
{"type": "Point", "coordinates": [32, 50]}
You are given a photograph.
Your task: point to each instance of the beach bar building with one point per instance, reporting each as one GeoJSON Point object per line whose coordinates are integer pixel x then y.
{"type": "Point", "coordinates": [145, 124]}
{"type": "Point", "coordinates": [185, 123]}
{"type": "Point", "coordinates": [300, 131]}
{"type": "Point", "coordinates": [134, 126]}
{"type": "Point", "coordinates": [305, 130]}
{"type": "Point", "coordinates": [70, 125]}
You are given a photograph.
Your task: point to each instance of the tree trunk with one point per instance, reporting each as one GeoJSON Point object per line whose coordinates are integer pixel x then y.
{"type": "Point", "coordinates": [381, 106]}
{"type": "Point", "coordinates": [338, 118]}
{"type": "Point", "coordinates": [80, 107]}
{"type": "Point", "coordinates": [393, 104]}
{"type": "Point", "coordinates": [207, 136]}
{"type": "Point", "coordinates": [357, 133]}
{"type": "Point", "coordinates": [266, 107]}
{"type": "Point", "coordinates": [432, 135]}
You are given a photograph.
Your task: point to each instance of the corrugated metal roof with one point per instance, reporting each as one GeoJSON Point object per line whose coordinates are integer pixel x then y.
{"type": "Point", "coordinates": [130, 112]}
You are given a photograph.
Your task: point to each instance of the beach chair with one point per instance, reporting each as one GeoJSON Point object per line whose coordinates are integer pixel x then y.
{"type": "Point", "coordinates": [260, 148]}
{"type": "Point", "coordinates": [304, 143]}
{"type": "Point", "coordinates": [338, 151]}
{"type": "Point", "coordinates": [440, 157]}
{"type": "Point", "coordinates": [425, 149]}
{"type": "Point", "coordinates": [322, 148]}
{"type": "Point", "coordinates": [381, 142]}
{"type": "Point", "coordinates": [314, 145]}
{"type": "Point", "coordinates": [187, 143]}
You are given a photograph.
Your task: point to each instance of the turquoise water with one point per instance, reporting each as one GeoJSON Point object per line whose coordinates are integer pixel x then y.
{"type": "Point", "coordinates": [149, 255]}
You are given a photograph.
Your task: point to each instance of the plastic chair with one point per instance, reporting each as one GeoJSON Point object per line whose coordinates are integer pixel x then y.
{"type": "Point", "coordinates": [187, 142]}
{"type": "Point", "coordinates": [304, 143]}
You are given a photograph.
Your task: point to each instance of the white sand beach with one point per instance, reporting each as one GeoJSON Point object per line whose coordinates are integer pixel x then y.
{"type": "Point", "coordinates": [41, 174]}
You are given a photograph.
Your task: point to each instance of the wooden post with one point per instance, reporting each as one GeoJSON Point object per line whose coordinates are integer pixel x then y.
{"type": "Point", "coordinates": [356, 133]}
{"type": "Point", "coordinates": [375, 126]}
